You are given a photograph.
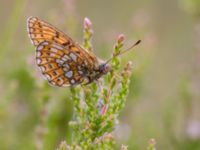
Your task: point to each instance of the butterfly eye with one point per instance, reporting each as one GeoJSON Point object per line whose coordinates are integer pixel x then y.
{"type": "Point", "coordinates": [105, 68]}
{"type": "Point", "coordinates": [108, 68]}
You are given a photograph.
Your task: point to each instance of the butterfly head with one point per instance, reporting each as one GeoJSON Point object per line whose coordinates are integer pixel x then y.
{"type": "Point", "coordinates": [104, 68]}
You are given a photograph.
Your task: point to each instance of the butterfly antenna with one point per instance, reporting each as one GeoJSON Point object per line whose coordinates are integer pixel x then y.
{"type": "Point", "coordinates": [124, 51]}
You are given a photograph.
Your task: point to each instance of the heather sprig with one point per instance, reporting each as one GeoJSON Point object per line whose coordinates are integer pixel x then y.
{"type": "Point", "coordinates": [88, 32]}
{"type": "Point", "coordinates": [151, 144]}
{"type": "Point", "coordinates": [41, 129]}
{"type": "Point", "coordinates": [97, 106]}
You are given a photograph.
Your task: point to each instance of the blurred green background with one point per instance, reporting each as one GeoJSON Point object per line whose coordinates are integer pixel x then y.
{"type": "Point", "coordinates": [164, 98]}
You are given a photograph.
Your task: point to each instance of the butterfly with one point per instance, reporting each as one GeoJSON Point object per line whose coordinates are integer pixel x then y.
{"type": "Point", "coordinates": [62, 61]}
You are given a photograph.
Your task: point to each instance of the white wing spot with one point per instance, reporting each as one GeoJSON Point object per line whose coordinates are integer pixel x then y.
{"type": "Point", "coordinates": [52, 54]}
{"type": "Point", "coordinates": [30, 24]}
{"type": "Point", "coordinates": [42, 68]}
{"type": "Point", "coordinates": [86, 63]}
{"type": "Point", "coordinates": [73, 56]}
{"type": "Point", "coordinates": [79, 68]}
{"type": "Point", "coordinates": [65, 69]}
{"type": "Point", "coordinates": [66, 66]}
{"type": "Point", "coordinates": [80, 72]}
{"type": "Point", "coordinates": [30, 29]}
{"type": "Point", "coordinates": [58, 47]}
{"type": "Point", "coordinates": [40, 47]}
{"type": "Point", "coordinates": [32, 35]}
{"type": "Point", "coordinates": [45, 43]}
{"type": "Point", "coordinates": [54, 50]}
{"type": "Point", "coordinates": [38, 61]}
{"type": "Point", "coordinates": [59, 61]}
{"type": "Point", "coordinates": [32, 18]}
{"type": "Point", "coordinates": [72, 81]}
{"type": "Point", "coordinates": [65, 85]}
{"type": "Point", "coordinates": [65, 58]}
{"type": "Point", "coordinates": [69, 74]}
{"type": "Point", "coordinates": [53, 83]}
{"type": "Point", "coordinates": [38, 54]}
{"type": "Point", "coordinates": [47, 77]}
{"type": "Point", "coordinates": [35, 42]}
{"type": "Point", "coordinates": [32, 42]}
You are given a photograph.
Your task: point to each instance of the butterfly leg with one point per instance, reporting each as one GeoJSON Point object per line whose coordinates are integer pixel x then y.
{"type": "Point", "coordinates": [99, 84]}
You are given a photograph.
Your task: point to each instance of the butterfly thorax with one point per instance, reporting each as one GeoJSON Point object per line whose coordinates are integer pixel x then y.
{"type": "Point", "coordinates": [99, 72]}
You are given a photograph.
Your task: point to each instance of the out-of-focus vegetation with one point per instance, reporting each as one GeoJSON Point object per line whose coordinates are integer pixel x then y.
{"type": "Point", "coordinates": [164, 98]}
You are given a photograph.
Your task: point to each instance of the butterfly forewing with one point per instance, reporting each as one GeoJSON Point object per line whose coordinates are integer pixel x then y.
{"type": "Point", "coordinates": [40, 30]}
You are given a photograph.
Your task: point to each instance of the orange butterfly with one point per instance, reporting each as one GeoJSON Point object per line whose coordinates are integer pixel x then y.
{"type": "Point", "coordinates": [62, 61]}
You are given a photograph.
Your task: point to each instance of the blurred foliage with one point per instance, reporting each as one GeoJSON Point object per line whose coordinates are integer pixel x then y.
{"type": "Point", "coordinates": [163, 102]}
{"type": "Point", "coordinates": [191, 6]}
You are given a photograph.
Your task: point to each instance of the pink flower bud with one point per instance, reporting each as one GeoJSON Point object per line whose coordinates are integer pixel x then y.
{"type": "Point", "coordinates": [104, 109]}
{"type": "Point", "coordinates": [152, 141]}
{"type": "Point", "coordinates": [120, 38]}
{"type": "Point", "coordinates": [124, 147]}
{"type": "Point", "coordinates": [87, 23]}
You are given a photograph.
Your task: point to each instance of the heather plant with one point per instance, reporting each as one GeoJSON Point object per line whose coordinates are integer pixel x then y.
{"type": "Point", "coordinates": [97, 106]}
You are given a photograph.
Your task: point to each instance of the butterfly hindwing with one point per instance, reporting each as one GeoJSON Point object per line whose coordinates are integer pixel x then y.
{"type": "Point", "coordinates": [60, 66]}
